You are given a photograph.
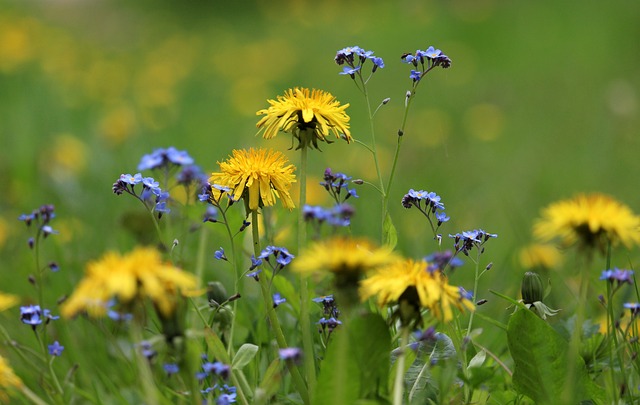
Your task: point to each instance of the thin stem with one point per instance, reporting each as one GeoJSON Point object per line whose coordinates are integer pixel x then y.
{"type": "Point", "coordinates": [475, 291]}
{"type": "Point", "coordinates": [296, 377]}
{"type": "Point", "coordinates": [398, 385]}
{"type": "Point", "coordinates": [305, 324]}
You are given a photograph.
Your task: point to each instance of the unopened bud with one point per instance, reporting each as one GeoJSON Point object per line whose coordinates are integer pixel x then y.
{"type": "Point", "coordinates": [386, 100]}
{"type": "Point", "coordinates": [532, 288]}
{"type": "Point", "coordinates": [216, 293]}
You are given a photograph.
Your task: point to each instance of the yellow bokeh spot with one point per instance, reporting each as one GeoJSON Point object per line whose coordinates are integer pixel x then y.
{"type": "Point", "coordinates": [484, 121]}
{"type": "Point", "coordinates": [16, 43]}
{"type": "Point", "coordinates": [433, 127]}
{"type": "Point", "coordinates": [66, 158]}
{"type": "Point", "coordinates": [118, 125]}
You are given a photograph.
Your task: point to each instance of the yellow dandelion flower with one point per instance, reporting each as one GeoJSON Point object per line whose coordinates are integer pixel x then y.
{"type": "Point", "coordinates": [261, 175]}
{"type": "Point", "coordinates": [342, 256]}
{"type": "Point", "coordinates": [592, 220]}
{"type": "Point", "coordinates": [139, 274]}
{"type": "Point", "coordinates": [411, 280]}
{"type": "Point", "coordinates": [8, 380]}
{"type": "Point", "coordinates": [540, 255]}
{"type": "Point", "coordinates": [308, 115]}
{"type": "Point", "coordinates": [7, 301]}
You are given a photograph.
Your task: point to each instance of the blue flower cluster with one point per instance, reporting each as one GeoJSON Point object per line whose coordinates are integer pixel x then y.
{"type": "Point", "coordinates": [467, 240]}
{"type": "Point", "coordinates": [281, 255]}
{"type": "Point", "coordinates": [339, 215]}
{"type": "Point", "coordinates": [278, 299]}
{"type": "Point", "coordinates": [224, 393]}
{"type": "Point", "coordinates": [161, 158]}
{"type": "Point", "coordinates": [425, 61]}
{"type": "Point", "coordinates": [151, 191]}
{"type": "Point", "coordinates": [634, 307]}
{"type": "Point", "coordinates": [619, 275]}
{"type": "Point", "coordinates": [432, 204]}
{"type": "Point", "coordinates": [439, 261]}
{"type": "Point", "coordinates": [33, 315]}
{"type": "Point", "coordinates": [40, 217]}
{"type": "Point", "coordinates": [335, 183]}
{"type": "Point", "coordinates": [329, 321]}
{"type": "Point", "coordinates": [354, 58]}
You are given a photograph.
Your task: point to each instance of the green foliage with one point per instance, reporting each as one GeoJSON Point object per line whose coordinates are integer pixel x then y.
{"type": "Point", "coordinates": [541, 362]}
{"type": "Point", "coordinates": [356, 364]}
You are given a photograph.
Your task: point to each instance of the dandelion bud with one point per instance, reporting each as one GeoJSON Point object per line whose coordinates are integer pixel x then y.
{"type": "Point", "coordinates": [216, 293]}
{"type": "Point", "coordinates": [532, 288]}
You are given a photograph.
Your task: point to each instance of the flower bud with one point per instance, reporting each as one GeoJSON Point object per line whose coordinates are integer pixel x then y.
{"type": "Point", "coordinates": [216, 293]}
{"type": "Point", "coordinates": [532, 288]}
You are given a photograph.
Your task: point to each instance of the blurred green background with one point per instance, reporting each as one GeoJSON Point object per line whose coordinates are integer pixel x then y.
{"type": "Point", "coordinates": [541, 102]}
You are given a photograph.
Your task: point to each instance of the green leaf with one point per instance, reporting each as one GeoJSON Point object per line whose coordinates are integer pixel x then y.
{"type": "Point", "coordinates": [270, 383]}
{"type": "Point", "coordinates": [356, 363]}
{"type": "Point", "coordinates": [245, 354]}
{"type": "Point", "coordinates": [371, 342]}
{"type": "Point", "coordinates": [478, 359]}
{"type": "Point", "coordinates": [541, 367]}
{"type": "Point", "coordinates": [216, 346]}
{"type": "Point", "coordinates": [390, 235]}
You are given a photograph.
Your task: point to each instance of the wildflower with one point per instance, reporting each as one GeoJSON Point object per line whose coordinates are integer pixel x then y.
{"type": "Point", "coordinates": [219, 254]}
{"type": "Point", "coordinates": [354, 57]}
{"type": "Point", "coordinates": [467, 240]}
{"type": "Point", "coordinates": [170, 368]}
{"type": "Point", "coordinates": [334, 183]}
{"type": "Point", "coordinates": [255, 275]}
{"type": "Point", "coordinates": [211, 214]}
{"type": "Point", "coordinates": [33, 315]}
{"type": "Point", "coordinates": [255, 262]}
{"type": "Point", "coordinates": [409, 284]}
{"type": "Point", "coordinates": [8, 380]}
{"type": "Point", "coordinates": [540, 255]}
{"type": "Point", "coordinates": [589, 220]}
{"type": "Point", "coordinates": [634, 307]}
{"type": "Point", "coordinates": [282, 255]}
{"type": "Point", "coordinates": [277, 300]}
{"type": "Point", "coordinates": [164, 157]}
{"type": "Point", "coordinates": [347, 258]}
{"type": "Point", "coordinates": [147, 350]}
{"type": "Point", "coordinates": [191, 174]}
{"type": "Point", "coordinates": [329, 323]}
{"type": "Point", "coordinates": [137, 275]}
{"type": "Point", "coordinates": [308, 115]}
{"type": "Point", "coordinates": [55, 349]}
{"type": "Point", "coordinates": [221, 369]}
{"type": "Point", "coordinates": [258, 175]}
{"type": "Point", "coordinates": [290, 353]}
{"type": "Point", "coordinates": [619, 275]}
{"type": "Point", "coordinates": [442, 260]}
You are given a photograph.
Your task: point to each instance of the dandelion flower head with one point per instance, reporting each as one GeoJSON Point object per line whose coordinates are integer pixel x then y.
{"type": "Point", "coordinates": [591, 220]}
{"type": "Point", "coordinates": [309, 115]}
{"type": "Point", "coordinates": [139, 274]}
{"type": "Point", "coordinates": [259, 175]}
{"type": "Point", "coordinates": [540, 255]}
{"type": "Point", "coordinates": [414, 281]}
{"type": "Point", "coordinates": [346, 257]}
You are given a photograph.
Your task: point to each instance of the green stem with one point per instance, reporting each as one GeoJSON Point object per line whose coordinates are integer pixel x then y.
{"type": "Point", "coordinates": [398, 386]}
{"type": "Point", "coordinates": [296, 377]}
{"type": "Point", "coordinates": [397, 153]}
{"type": "Point", "coordinates": [305, 324]}
{"type": "Point", "coordinates": [475, 292]}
